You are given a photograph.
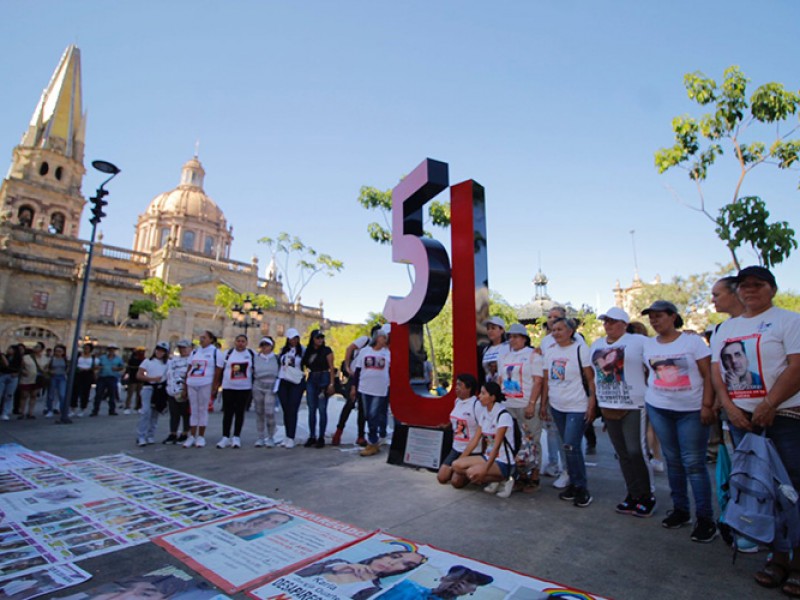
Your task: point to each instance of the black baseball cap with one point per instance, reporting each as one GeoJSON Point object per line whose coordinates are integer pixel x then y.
{"type": "Point", "coordinates": [761, 273]}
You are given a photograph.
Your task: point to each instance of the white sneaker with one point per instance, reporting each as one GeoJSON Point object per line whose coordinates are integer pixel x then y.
{"type": "Point", "coordinates": [551, 471]}
{"type": "Point", "coordinates": [491, 488]}
{"type": "Point", "coordinates": [382, 441]}
{"type": "Point", "coordinates": [259, 443]}
{"type": "Point", "coordinates": [562, 481]}
{"type": "Point", "coordinates": [658, 466]}
{"type": "Point", "coordinates": [79, 414]}
{"type": "Point", "coordinates": [200, 442]}
{"type": "Point", "coordinates": [236, 442]}
{"type": "Point", "coordinates": [151, 440]}
{"type": "Point", "coordinates": [189, 442]}
{"type": "Point", "coordinates": [141, 442]}
{"type": "Point", "coordinates": [127, 411]}
{"type": "Point", "coordinates": [4, 417]}
{"type": "Point", "coordinates": [269, 443]}
{"type": "Point", "coordinates": [505, 488]}
{"type": "Point", "coordinates": [48, 414]}
{"type": "Point", "coordinates": [288, 443]}
{"type": "Point", "coordinates": [223, 443]}
{"type": "Point", "coordinates": [72, 414]}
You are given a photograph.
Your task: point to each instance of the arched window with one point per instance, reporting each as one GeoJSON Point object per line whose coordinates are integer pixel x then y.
{"type": "Point", "coordinates": [43, 169]}
{"type": "Point", "coordinates": [25, 215]}
{"type": "Point", "coordinates": [188, 240]}
{"type": "Point", "coordinates": [208, 247]}
{"type": "Point", "coordinates": [57, 220]}
{"type": "Point", "coordinates": [59, 173]}
{"type": "Point", "coordinates": [164, 237]}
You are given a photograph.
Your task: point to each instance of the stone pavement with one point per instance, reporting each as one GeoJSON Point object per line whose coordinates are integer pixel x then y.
{"type": "Point", "coordinates": [593, 549]}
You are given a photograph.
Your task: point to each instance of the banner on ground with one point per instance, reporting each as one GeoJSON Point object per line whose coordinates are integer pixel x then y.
{"type": "Point", "coordinates": [165, 584]}
{"type": "Point", "coordinates": [44, 581]}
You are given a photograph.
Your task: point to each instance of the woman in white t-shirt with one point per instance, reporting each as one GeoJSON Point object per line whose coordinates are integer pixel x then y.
{"type": "Point", "coordinates": [569, 392]}
{"type": "Point", "coordinates": [495, 436]}
{"type": "Point", "coordinates": [756, 373]}
{"type": "Point", "coordinates": [489, 355]}
{"type": "Point", "coordinates": [620, 385]}
{"type": "Point", "coordinates": [237, 388]}
{"type": "Point", "coordinates": [463, 421]}
{"type": "Point", "coordinates": [372, 373]}
{"type": "Point", "coordinates": [202, 382]}
{"type": "Point", "coordinates": [680, 402]}
{"type": "Point", "coordinates": [153, 374]}
{"type": "Point", "coordinates": [291, 384]}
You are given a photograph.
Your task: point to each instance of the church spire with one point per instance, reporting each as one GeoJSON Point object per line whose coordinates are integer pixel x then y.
{"type": "Point", "coordinates": [58, 123]}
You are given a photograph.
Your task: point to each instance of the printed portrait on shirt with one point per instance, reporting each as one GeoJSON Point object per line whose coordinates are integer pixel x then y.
{"type": "Point", "coordinates": [740, 363]}
{"type": "Point", "coordinates": [239, 370]}
{"type": "Point", "coordinates": [512, 380]}
{"type": "Point", "coordinates": [671, 373]}
{"type": "Point", "coordinates": [374, 362]}
{"type": "Point", "coordinates": [609, 364]}
{"type": "Point", "coordinates": [198, 368]}
{"type": "Point", "coordinates": [558, 369]}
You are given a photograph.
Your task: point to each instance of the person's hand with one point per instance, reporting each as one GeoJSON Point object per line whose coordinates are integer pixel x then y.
{"type": "Point", "coordinates": [530, 410]}
{"type": "Point", "coordinates": [764, 414]}
{"type": "Point", "coordinates": [707, 415]}
{"type": "Point", "coordinates": [544, 414]}
{"type": "Point", "coordinates": [730, 379]}
{"type": "Point", "coordinates": [739, 419]}
{"type": "Point", "coordinates": [479, 474]}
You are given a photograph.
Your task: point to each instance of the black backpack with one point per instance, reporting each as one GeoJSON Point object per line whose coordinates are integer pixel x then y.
{"type": "Point", "coordinates": [517, 434]}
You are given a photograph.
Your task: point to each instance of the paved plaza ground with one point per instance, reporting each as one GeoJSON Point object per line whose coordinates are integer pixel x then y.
{"type": "Point", "coordinates": [594, 548]}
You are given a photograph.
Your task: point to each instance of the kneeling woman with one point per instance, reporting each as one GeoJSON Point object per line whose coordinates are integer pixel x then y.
{"type": "Point", "coordinates": [495, 431]}
{"type": "Point", "coordinates": [463, 419]}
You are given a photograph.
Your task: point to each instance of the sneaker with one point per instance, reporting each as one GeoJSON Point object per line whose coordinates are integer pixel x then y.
{"type": "Point", "coordinates": [705, 530]}
{"type": "Point", "coordinates": [310, 442]}
{"type": "Point", "coordinates": [645, 506]}
{"type": "Point", "coordinates": [382, 441]}
{"type": "Point", "coordinates": [568, 494]}
{"type": "Point", "coordinates": [141, 442]}
{"type": "Point", "coordinates": [491, 488]}
{"type": "Point", "coordinates": [4, 418]}
{"type": "Point", "coordinates": [288, 443]}
{"type": "Point", "coordinates": [627, 506]}
{"type": "Point", "coordinates": [551, 471]}
{"type": "Point", "coordinates": [189, 442]}
{"type": "Point", "coordinates": [80, 414]}
{"type": "Point", "coordinates": [676, 519]}
{"type": "Point", "coordinates": [151, 440]}
{"type": "Point", "coordinates": [582, 498]}
{"type": "Point", "coordinates": [562, 481]}
{"type": "Point", "coordinates": [171, 439]}
{"type": "Point", "coordinates": [505, 488]}
{"type": "Point", "coordinates": [236, 442]}
{"type": "Point", "coordinates": [269, 443]}
{"type": "Point", "coordinates": [225, 442]}
{"type": "Point", "coordinates": [259, 443]}
{"type": "Point", "coordinates": [320, 443]}
{"type": "Point", "coordinates": [658, 465]}
{"type": "Point", "coordinates": [127, 411]}
{"type": "Point", "coordinates": [200, 442]}
{"type": "Point", "coordinates": [746, 545]}
{"type": "Point", "coordinates": [48, 414]}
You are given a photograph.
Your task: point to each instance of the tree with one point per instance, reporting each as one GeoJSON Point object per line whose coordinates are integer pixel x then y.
{"type": "Point", "coordinates": [699, 142]}
{"type": "Point", "coordinates": [163, 297]}
{"type": "Point", "coordinates": [374, 199]}
{"type": "Point", "coordinates": [226, 298]}
{"type": "Point", "coordinates": [788, 300]}
{"type": "Point", "coordinates": [297, 275]}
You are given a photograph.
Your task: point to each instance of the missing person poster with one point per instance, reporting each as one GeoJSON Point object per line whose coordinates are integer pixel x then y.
{"type": "Point", "coordinates": [44, 581]}
{"type": "Point", "coordinates": [241, 551]}
{"type": "Point", "coordinates": [164, 584]}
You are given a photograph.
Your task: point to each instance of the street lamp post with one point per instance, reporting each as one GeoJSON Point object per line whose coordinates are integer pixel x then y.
{"type": "Point", "coordinates": [97, 215]}
{"type": "Point", "coordinates": [247, 315]}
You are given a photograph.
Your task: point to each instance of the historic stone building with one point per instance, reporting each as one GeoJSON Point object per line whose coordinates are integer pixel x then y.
{"type": "Point", "coordinates": [182, 237]}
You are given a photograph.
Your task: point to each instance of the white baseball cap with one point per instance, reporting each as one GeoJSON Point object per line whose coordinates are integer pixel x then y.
{"type": "Point", "coordinates": [292, 333]}
{"type": "Point", "coordinates": [615, 314]}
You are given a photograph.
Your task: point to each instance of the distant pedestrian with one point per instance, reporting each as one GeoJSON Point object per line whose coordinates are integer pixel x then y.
{"type": "Point", "coordinates": [318, 359]}
{"type": "Point", "coordinates": [152, 374]}
{"type": "Point", "coordinates": [177, 367]}
{"type": "Point", "coordinates": [265, 372]}
{"type": "Point", "coordinates": [292, 384]}
{"type": "Point", "coordinates": [108, 378]}
{"type": "Point", "coordinates": [237, 389]}
{"type": "Point", "coordinates": [202, 382]}
{"type": "Point", "coordinates": [85, 373]}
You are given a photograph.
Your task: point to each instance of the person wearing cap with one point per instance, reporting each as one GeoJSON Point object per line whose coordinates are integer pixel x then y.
{"type": "Point", "coordinates": [110, 371]}
{"type": "Point", "coordinates": [291, 384]}
{"type": "Point", "coordinates": [153, 375]}
{"type": "Point", "coordinates": [459, 582]}
{"type": "Point", "coordinates": [318, 359]}
{"type": "Point", "coordinates": [519, 372]}
{"type": "Point", "coordinates": [620, 386]}
{"type": "Point", "coordinates": [770, 337]}
{"type": "Point", "coordinates": [569, 394]}
{"type": "Point", "coordinates": [202, 382]}
{"type": "Point", "coordinates": [680, 405]}
{"type": "Point", "coordinates": [372, 372]}
{"type": "Point", "coordinates": [489, 354]}
{"type": "Point", "coordinates": [177, 367]}
{"type": "Point", "coordinates": [265, 374]}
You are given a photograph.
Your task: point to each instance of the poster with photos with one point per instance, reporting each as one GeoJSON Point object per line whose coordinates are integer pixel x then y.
{"type": "Point", "coordinates": [42, 581]}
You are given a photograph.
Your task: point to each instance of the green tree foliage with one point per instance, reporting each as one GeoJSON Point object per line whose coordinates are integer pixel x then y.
{"type": "Point", "coordinates": [299, 263]}
{"type": "Point", "coordinates": [788, 300]}
{"type": "Point", "coordinates": [226, 298]}
{"type": "Point", "coordinates": [700, 142]}
{"type": "Point", "coordinates": [162, 299]}
{"type": "Point", "coordinates": [687, 293]}
{"type": "Point", "coordinates": [381, 201]}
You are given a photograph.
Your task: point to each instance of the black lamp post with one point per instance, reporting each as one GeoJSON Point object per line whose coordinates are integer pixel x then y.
{"type": "Point", "coordinates": [246, 314]}
{"type": "Point", "coordinates": [97, 215]}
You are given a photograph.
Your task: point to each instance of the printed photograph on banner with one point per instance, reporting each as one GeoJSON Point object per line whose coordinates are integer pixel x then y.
{"type": "Point", "coordinates": [164, 584]}
{"type": "Point", "coordinates": [43, 581]}
{"type": "Point", "coordinates": [671, 373]}
{"type": "Point", "coordinates": [238, 552]}
{"type": "Point", "coordinates": [740, 363]}
{"type": "Point", "coordinates": [16, 456]}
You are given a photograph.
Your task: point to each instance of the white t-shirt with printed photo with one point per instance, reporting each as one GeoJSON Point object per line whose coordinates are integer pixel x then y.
{"type": "Point", "coordinates": [752, 351]}
{"type": "Point", "coordinates": [237, 372]}
{"type": "Point", "coordinates": [491, 359]}
{"type": "Point", "coordinates": [154, 368]}
{"type": "Point", "coordinates": [515, 372]}
{"type": "Point", "coordinates": [374, 365]}
{"type": "Point", "coordinates": [619, 373]}
{"type": "Point", "coordinates": [463, 418]}
{"type": "Point", "coordinates": [202, 365]}
{"type": "Point", "coordinates": [489, 423]}
{"type": "Point", "coordinates": [564, 383]}
{"type": "Point", "coordinates": [674, 381]}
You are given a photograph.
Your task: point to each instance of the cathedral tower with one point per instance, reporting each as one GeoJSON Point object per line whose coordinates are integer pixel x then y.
{"type": "Point", "coordinates": [43, 187]}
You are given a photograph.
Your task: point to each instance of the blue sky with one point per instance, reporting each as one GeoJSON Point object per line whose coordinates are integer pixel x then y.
{"type": "Point", "coordinates": [555, 107]}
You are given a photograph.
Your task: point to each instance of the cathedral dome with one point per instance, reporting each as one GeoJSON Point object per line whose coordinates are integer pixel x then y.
{"type": "Point", "coordinates": [188, 199]}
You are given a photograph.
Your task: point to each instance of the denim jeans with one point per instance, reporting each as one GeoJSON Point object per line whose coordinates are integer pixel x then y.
{"type": "Point", "coordinates": [8, 386]}
{"type": "Point", "coordinates": [376, 408]}
{"type": "Point", "coordinates": [571, 426]}
{"type": "Point", "coordinates": [106, 386]}
{"type": "Point", "coordinates": [290, 394]}
{"type": "Point", "coordinates": [149, 419]}
{"type": "Point", "coordinates": [56, 395]}
{"type": "Point", "coordinates": [317, 401]}
{"type": "Point", "coordinates": [684, 440]}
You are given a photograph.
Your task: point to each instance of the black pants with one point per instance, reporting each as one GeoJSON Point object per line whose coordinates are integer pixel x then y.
{"type": "Point", "coordinates": [82, 388]}
{"type": "Point", "coordinates": [178, 411]}
{"type": "Point", "coordinates": [234, 404]}
{"type": "Point", "coordinates": [348, 407]}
